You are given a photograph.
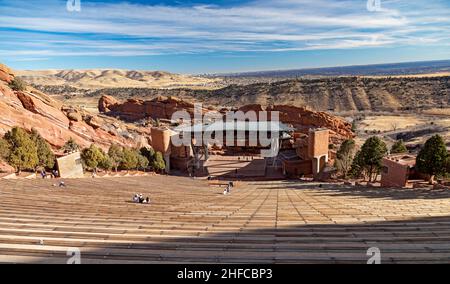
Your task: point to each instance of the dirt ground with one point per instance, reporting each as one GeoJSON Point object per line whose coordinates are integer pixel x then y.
{"type": "Point", "coordinates": [432, 121]}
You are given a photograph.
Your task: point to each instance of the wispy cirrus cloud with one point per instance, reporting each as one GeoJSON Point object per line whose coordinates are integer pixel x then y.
{"type": "Point", "coordinates": [46, 28]}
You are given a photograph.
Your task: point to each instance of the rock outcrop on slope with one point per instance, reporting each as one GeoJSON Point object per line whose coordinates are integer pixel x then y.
{"type": "Point", "coordinates": [163, 108]}
{"type": "Point", "coordinates": [135, 109]}
{"type": "Point", "coordinates": [303, 119]}
{"type": "Point", "coordinates": [57, 123]}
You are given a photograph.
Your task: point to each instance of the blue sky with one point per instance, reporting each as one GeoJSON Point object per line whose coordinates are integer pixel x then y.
{"type": "Point", "coordinates": [200, 36]}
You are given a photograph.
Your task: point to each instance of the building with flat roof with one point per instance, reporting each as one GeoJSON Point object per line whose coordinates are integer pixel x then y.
{"type": "Point", "coordinates": [397, 170]}
{"type": "Point", "coordinates": [70, 166]}
{"type": "Point", "coordinates": [312, 153]}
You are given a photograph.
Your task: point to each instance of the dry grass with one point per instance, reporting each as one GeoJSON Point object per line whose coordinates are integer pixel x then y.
{"type": "Point", "coordinates": [437, 111]}
{"type": "Point", "coordinates": [390, 122]}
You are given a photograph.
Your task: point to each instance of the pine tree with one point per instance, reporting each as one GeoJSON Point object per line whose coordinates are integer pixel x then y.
{"type": "Point", "coordinates": [115, 152]}
{"type": "Point", "coordinates": [70, 146]}
{"type": "Point", "coordinates": [433, 157]}
{"type": "Point", "coordinates": [142, 162]}
{"type": "Point", "coordinates": [45, 153]}
{"type": "Point", "coordinates": [18, 84]}
{"type": "Point", "coordinates": [92, 157]}
{"type": "Point", "coordinates": [158, 163]}
{"type": "Point", "coordinates": [23, 154]}
{"type": "Point", "coordinates": [344, 157]}
{"type": "Point", "coordinates": [130, 159]}
{"type": "Point", "coordinates": [367, 161]}
{"type": "Point", "coordinates": [149, 153]}
{"type": "Point", "coordinates": [398, 147]}
{"type": "Point", "coordinates": [5, 149]}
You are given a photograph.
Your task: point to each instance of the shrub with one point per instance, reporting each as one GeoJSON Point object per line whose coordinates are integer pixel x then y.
{"type": "Point", "coordinates": [115, 152]}
{"type": "Point", "coordinates": [433, 157]}
{"type": "Point", "coordinates": [367, 161]}
{"type": "Point", "coordinates": [92, 157]}
{"type": "Point", "coordinates": [70, 146]}
{"type": "Point", "coordinates": [5, 149]}
{"type": "Point", "coordinates": [344, 157]}
{"type": "Point", "coordinates": [142, 162]}
{"type": "Point", "coordinates": [398, 147]}
{"type": "Point", "coordinates": [158, 163]}
{"type": "Point", "coordinates": [130, 159]}
{"type": "Point", "coordinates": [45, 154]}
{"type": "Point", "coordinates": [18, 84]}
{"type": "Point", "coordinates": [23, 152]}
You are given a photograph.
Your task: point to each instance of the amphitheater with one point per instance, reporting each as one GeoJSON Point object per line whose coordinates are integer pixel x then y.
{"type": "Point", "coordinates": [189, 221]}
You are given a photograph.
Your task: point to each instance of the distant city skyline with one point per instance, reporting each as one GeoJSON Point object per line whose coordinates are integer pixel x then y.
{"type": "Point", "coordinates": [221, 36]}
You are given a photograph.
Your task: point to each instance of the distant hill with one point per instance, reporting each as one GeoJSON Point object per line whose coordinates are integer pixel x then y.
{"type": "Point", "coordinates": [337, 94]}
{"type": "Point", "coordinates": [408, 68]}
{"type": "Point", "coordinates": [113, 78]}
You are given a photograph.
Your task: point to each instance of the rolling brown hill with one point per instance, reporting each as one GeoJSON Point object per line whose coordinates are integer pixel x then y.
{"type": "Point", "coordinates": [336, 94]}
{"type": "Point", "coordinates": [112, 78]}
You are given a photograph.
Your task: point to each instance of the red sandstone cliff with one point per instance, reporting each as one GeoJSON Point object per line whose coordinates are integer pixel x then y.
{"type": "Point", "coordinates": [135, 109]}
{"type": "Point", "coordinates": [301, 118]}
{"type": "Point", "coordinates": [57, 123]}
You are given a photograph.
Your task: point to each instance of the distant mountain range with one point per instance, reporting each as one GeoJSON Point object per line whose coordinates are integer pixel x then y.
{"type": "Point", "coordinates": [408, 68]}
{"type": "Point", "coordinates": [113, 78]}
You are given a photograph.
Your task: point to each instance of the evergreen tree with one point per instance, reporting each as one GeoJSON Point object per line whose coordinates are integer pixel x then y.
{"type": "Point", "coordinates": [433, 157]}
{"type": "Point", "coordinates": [115, 152]}
{"type": "Point", "coordinates": [344, 157]}
{"type": "Point", "coordinates": [106, 163]}
{"type": "Point", "coordinates": [23, 154]}
{"type": "Point", "coordinates": [398, 147]}
{"type": "Point", "coordinates": [5, 149]}
{"type": "Point", "coordinates": [158, 163]}
{"type": "Point", "coordinates": [18, 84]}
{"type": "Point", "coordinates": [149, 153]}
{"type": "Point", "coordinates": [367, 161]}
{"type": "Point", "coordinates": [142, 162]}
{"type": "Point", "coordinates": [45, 153]}
{"type": "Point", "coordinates": [92, 157]}
{"type": "Point", "coordinates": [130, 159]}
{"type": "Point", "coordinates": [71, 146]}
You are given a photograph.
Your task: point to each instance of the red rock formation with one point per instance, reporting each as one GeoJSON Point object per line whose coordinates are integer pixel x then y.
{"type": "Point", "coordinates": [56, 123]}
{"type": "Point", "coordinates": [163, 108]}
{"type": "Point", "coordinates": [6, 74]}
{"type": "Point", "coordinates": [303, 119]}
{"type": "Point", "coordinates": [135, 109]}
{"type": "Point", "coordinates": [106, 102]}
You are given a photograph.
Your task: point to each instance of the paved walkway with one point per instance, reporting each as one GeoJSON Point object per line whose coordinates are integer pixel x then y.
{"type": "Point", "coordinates": [262, 222]}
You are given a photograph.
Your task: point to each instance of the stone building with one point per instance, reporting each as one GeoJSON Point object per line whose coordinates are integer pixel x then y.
{"type": "Point", "coordinates": [70, 166]}
{"type": "Point", "coordinates": [397, 170]}
{"type": "Point", "coordinates": [312, 153]}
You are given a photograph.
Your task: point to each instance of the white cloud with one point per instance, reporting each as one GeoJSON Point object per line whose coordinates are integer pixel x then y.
{"type": "Point", "coordinates": [284, 25]}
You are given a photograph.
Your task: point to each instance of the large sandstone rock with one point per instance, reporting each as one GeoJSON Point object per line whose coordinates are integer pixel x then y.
{"type": "Point", "coordinates": [303, 119]}
{"type": "Point", "coordinates": [6, 74]}
{"type": "Point", "coordinates": [135, 109]}
{"type": "Point", "coordinates": [34, 104]}
{"type": "Point", "coordinates": [32, 109]}
{"type": "Point", "coordinates": [106, 102]}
